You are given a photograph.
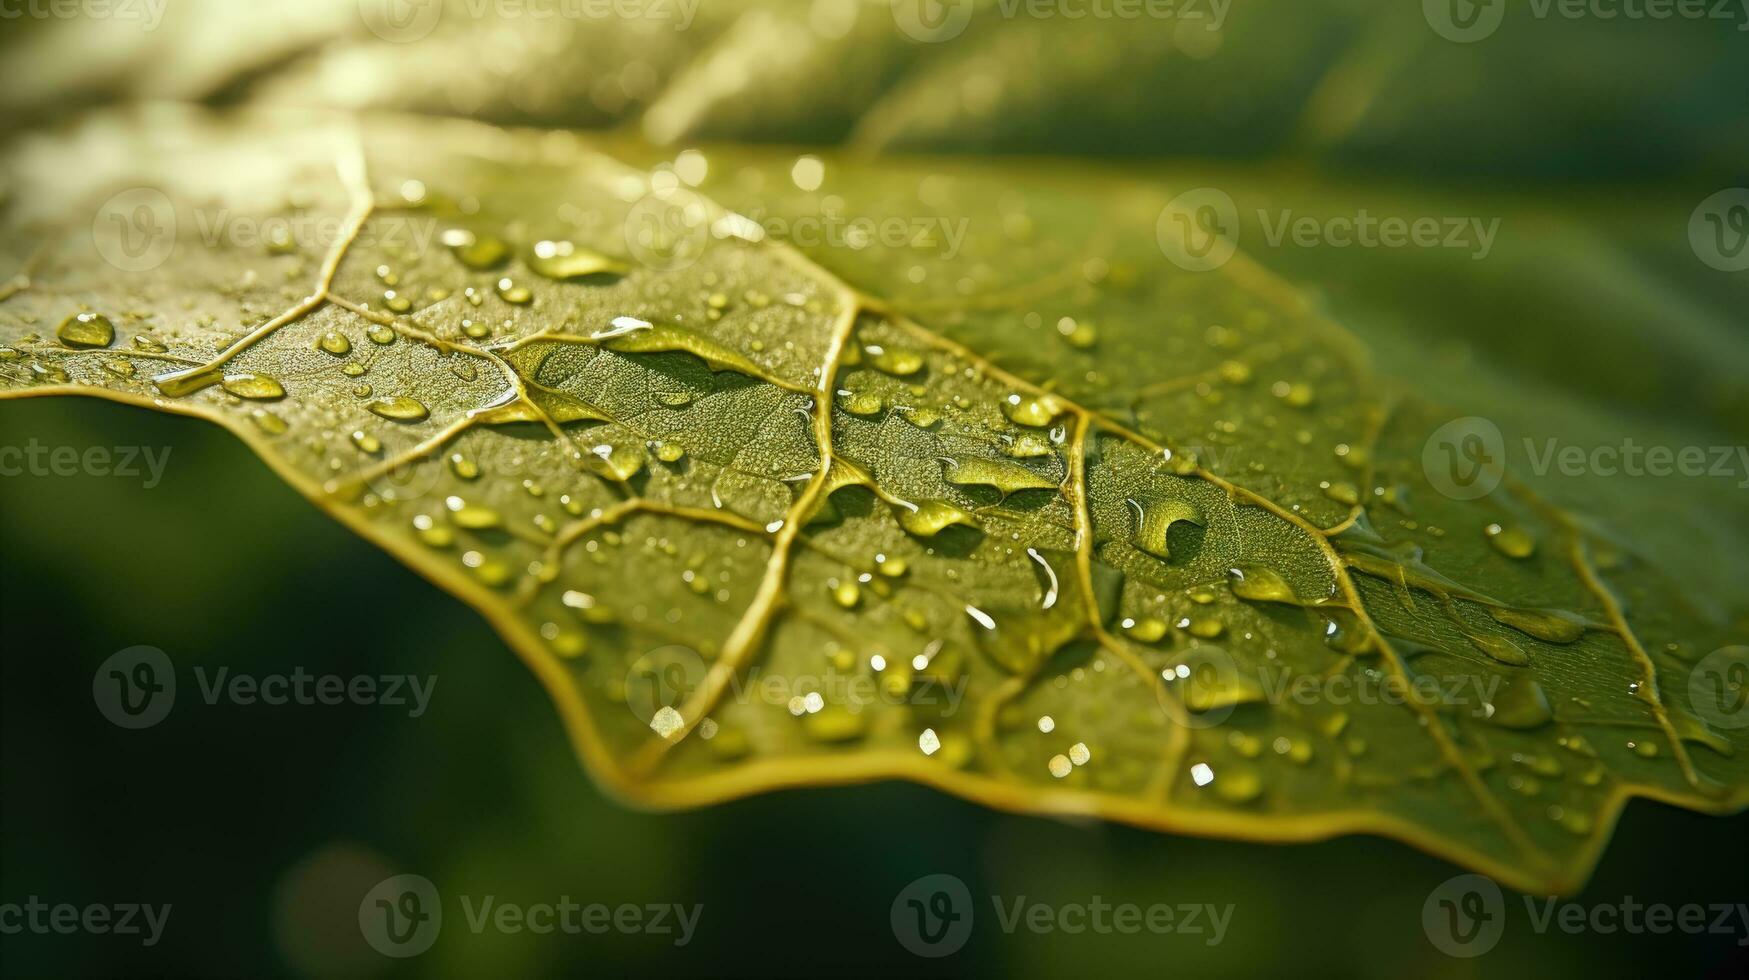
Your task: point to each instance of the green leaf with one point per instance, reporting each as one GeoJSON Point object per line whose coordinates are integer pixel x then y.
{"type": "Point", "coordinates": [1015, 508]}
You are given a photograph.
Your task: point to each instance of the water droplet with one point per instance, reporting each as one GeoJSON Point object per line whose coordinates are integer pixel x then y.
{"type": "Point", "coordinates": [1500, 648]}
{"type": "Point", "coordinates": [1235, 372]}
{"type": "Point", "coordinates": [895, 361]}
{"type": "Point", "coordinates": [1239, 784]}
{"type": "Point", "coordinates": [1298, 394]}
{"type": "Point", "coordinates": [1027, 445]}
{"type": "Point", "coordinates": [929, 742]}
{"type": "Point", "coordinates": [1511, 540]}
{"type": "Point", "coordinates": [620, 462]}
{"type": "Point", "coordinates": [380, 334]}
{"type": "Point", "coordinates": [1154, 520]}
{"type": "Point", "coordinates": [670, 452]}
{"type": "Point", "coordinates": [366, 442]}
{"type": "Point", "coordinates": [1034, 410]}
{"type": "Point", "coordinates": [477, 253]}
{"type": "Point", "coordinates": [1343, 493]}
{"type": "Point", "coordinates": [268, 422]}
{"type": "Point", "coordinates": [512, 293]}
{"type": "Point", "coordinates": [1255, 583]}
{"type": "Point", "coordinates": [334, 342]}
{"type": "Point", "coordinates": [667, 722]}
{"type": "Point", "coordinates": [932, 517]}
{"type": "Point", "coordinates": [1002, 475]}
{"type": "Point", "coordinates": [399, 408]}
{"type": "Point", "coordinates": [1548, 625]}
{"type": "Point", "coordinates": [1520, 703]}
{"type": "Point", "coordinates": [1205, 627]}
{"type": "Point", "coordinates": [1079, 334]}
{"type": "Point", "coordinates": [565, 260]}
{"type": "Point", "coordinates": [472, 517]}
{"type": "Point", "coordinates": [86, 330]}
{"type": "Point", "coordinates": [432, 533]}
{"type": "Point", "coordinates": [1060, 766]}
{"type": "Point", "coordinates": [834, 725]}
{"type": "Point", "coordinates": [258, 387]}
{"type": "Point", "coordinates": [463, 467]}
{"type": "Point", "coordinates": [847, 593]}
{"type": "Point", "coordinates": [863, 403]}
{"type": "Point", "coordinates": [1147, 630]}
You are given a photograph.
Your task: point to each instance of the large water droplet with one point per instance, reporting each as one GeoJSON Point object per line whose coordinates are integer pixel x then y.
{"type": "Point", "coordinates": [258, 387]}
{"type": "Point", "coordinates": [86, 330]}
{"type": "Point", "coordinates": [399, 408]}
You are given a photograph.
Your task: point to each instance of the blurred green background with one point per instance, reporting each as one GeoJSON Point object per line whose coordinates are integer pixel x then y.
{"type": "Point", "coordinates": [264, 826]}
